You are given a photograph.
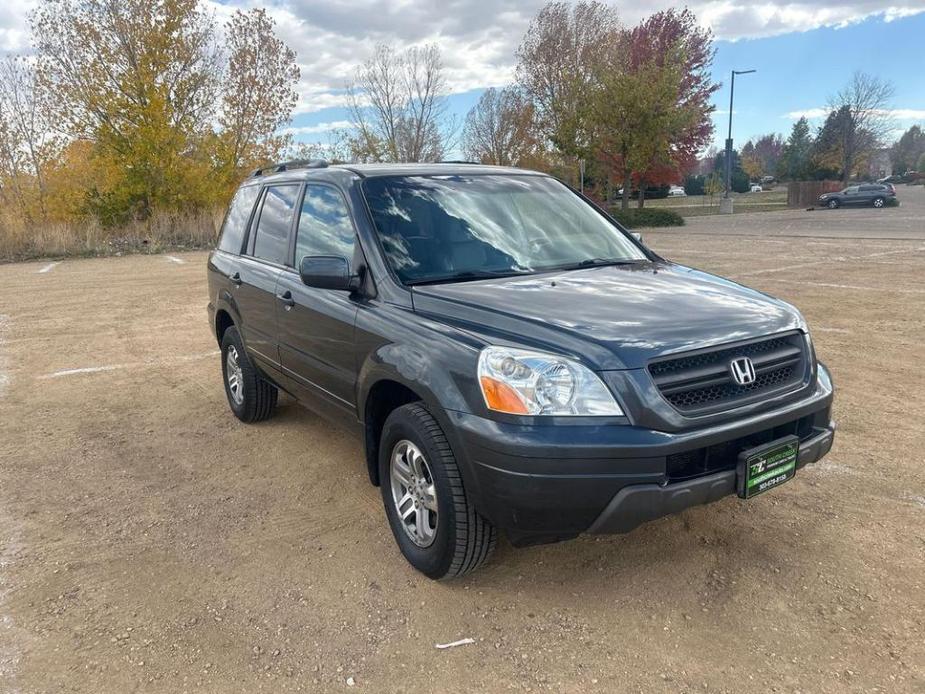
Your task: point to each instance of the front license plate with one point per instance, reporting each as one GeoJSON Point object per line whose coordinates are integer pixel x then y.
{"type": "Point", "coordinates": [767, 466]}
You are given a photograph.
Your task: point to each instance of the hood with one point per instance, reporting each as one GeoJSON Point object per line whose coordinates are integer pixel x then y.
{"type": "Point", "coordinates": [615, 317]}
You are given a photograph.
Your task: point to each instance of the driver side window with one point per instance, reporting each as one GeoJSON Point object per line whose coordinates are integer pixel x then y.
{"type": "Point", "coordinates": [325, 227]}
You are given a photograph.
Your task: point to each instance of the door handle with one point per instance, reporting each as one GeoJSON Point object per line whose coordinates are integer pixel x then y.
{"type": "Point", "coordinates": [286, 298]}
{"type": "Point", "coordinates": [236, 279]}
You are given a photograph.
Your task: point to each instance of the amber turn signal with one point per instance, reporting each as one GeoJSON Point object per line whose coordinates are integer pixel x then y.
{"type": "Point", "coordinates": [501, 397]}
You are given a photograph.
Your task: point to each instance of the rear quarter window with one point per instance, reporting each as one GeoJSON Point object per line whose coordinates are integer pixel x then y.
{"type": "Point", "coordinates": [236, 219]}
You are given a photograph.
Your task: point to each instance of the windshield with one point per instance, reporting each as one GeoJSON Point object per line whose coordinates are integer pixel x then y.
{"type": "Point", "coordinates": [456, 228]}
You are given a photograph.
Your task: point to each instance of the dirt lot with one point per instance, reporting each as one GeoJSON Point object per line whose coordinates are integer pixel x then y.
{"type": "Point", "coordinates": [149, 542]}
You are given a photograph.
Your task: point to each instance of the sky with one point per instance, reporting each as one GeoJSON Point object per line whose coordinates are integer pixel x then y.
{"type": "Point", "coordinates": [803, 51]}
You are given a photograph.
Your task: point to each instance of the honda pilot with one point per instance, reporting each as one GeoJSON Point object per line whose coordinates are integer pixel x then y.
{"type": "Point", "coordinates": [513, 359]}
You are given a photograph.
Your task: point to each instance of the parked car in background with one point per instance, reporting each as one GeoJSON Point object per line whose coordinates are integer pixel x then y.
{"type": "Point", "coordinates": [876, 194]}
{"type": "Point", "coordinates": [767, 179]}
{"type": "Point", "coordinates": [676, 192]}
{"type": "Point", "coordinates": [756, 189]}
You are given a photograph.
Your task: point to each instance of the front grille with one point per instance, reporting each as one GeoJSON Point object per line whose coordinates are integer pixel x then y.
{"type": "Point", "coordinates": [725, 455]}
{"type": "Point", "coordinates": [701, 382]}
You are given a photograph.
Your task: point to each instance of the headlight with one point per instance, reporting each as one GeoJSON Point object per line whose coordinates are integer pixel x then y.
{"type": "Point", "coordinates": [517, 381]}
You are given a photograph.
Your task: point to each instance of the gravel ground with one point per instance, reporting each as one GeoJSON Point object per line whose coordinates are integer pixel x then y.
{"type": "Point", "coordinates": [150, 542]}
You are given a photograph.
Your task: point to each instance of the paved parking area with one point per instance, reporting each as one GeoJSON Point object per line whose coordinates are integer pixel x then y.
{"type": "Point", "coordinates": [150, 542]}
{"type": "Point", "coordinates": [904, 222]}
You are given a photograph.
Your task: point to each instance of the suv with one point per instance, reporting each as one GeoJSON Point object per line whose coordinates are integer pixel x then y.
{"type": "Point", "coordinates": [875, 194]}
{"type": "Point", "coordinates": [512, 357]}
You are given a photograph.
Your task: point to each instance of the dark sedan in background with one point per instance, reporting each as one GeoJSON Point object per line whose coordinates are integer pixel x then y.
{"type": "Point", "coordinates": [876, 194]}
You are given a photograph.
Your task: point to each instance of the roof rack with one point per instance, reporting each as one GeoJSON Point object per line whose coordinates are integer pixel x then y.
{"type": "Point", "coordinates": [290, 165]}
{"type": "Point", "coordinates": [458, 161]}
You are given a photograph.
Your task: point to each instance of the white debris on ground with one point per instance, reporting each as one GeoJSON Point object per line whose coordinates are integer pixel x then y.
{"type": "Point", "coordinates": [453, 644]}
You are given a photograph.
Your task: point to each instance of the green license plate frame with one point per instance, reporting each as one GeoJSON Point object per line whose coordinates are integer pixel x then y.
{"type": "Point", "coordinates": [766, 467]}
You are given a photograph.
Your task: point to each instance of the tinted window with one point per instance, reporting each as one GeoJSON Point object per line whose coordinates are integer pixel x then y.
{"type": "Point", "coordinates": [439, 228]}
{"type": "Point", "coordinates": [851, 190]}
{"type": "Point", "coordinates": [272, 240]}
{"type": "Point", "coordinates": [868, 189]}
{"type": "Point", "coordinates": [324, 225]}
{"type": "Point", "coordinates": [239, 213]}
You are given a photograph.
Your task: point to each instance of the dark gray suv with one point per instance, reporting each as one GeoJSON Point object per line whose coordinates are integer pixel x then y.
{"type": "Point", "coordinates": [870, 194]}
{"type": "Point", "coordinates": [512, 358]}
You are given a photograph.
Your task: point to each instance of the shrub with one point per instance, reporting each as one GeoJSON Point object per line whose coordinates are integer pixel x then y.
{"type": "Point", "coordinates": [634, 218]}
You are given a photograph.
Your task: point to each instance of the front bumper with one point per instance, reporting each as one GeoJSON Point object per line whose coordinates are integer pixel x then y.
{"type": "Point", "coordinates": [548, 483]}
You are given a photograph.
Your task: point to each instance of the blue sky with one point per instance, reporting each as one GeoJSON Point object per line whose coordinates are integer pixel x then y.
{"type": "Point", "coordinates": [797, 71]}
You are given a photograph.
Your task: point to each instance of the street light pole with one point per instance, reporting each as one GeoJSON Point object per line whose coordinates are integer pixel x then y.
{"type": "Point", "coordinates": [727, 207]}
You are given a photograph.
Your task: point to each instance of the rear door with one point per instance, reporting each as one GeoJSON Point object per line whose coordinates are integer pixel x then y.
{"type": "Point", "coordinates": [852, 196]}
{"type": "Point", "coordinates": [268, 247]}
{"type": "Point", "coordinates": [316, 332]}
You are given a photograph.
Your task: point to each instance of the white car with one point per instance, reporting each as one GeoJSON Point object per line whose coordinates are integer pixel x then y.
{"type": "Point", "coordinates": [757, 189]}
{"type": "Point", "coordinates": [676, 192]}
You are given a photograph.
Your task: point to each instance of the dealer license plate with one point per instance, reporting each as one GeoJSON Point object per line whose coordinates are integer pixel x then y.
{"type": "Point", "coordinates": [767, 466]}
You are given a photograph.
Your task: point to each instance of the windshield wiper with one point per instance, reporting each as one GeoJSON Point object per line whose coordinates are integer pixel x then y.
{"type": "Point", "coordinates": [596, 262]}
{"type": "Point", "coordinates": [467, 276]}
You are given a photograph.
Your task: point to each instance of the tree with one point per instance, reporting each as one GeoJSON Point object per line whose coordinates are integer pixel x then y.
{"type": "Point", "coordinates": [632, 114]}
{"type": "Point", "coordinates": [258, 93]}
{"type": "Point", "coordinates": [751, 162]}
{"type": "Point", "coordinates": [677, 35]}
{"type": "Point", "coordinates": [556, 67]}
{"type": "Point", "coordinates": [398, 106]}
{"type": "Point", "coordinates": [861, 123]}
{"type": "Point", "coordinates": [795, 156]}
{"type": "Point", "coordinates": [921, 164]}
{"type": "Point", "coordinates": [28, 145]}
{"type": "Point", "coordinates": [500, 129]}
{"type": "Point", "coordinates": [139, 78]}
{"type": "Point", "coordinates": [906, 151]}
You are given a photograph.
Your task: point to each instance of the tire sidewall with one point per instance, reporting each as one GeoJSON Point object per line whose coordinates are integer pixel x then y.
{"type": "Point", "coordinates": [881, 201]}
{"type": "Point", "coordinates": [433, 561]}
{"type": "Point", "coordinates": [833, 204]}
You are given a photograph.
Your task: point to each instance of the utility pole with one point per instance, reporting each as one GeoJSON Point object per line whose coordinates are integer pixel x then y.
{"type": "Point", "coordinates": [725, 205]}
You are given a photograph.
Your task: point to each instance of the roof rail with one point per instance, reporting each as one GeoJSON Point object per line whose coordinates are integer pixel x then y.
{"type": "Point", "coordinates": [290, 165]}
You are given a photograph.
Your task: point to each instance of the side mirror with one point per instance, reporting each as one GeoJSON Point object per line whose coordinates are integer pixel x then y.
{"type": "Point", "coordinates": [636, 235]}
{"type": "Point", "coordinates": [328, 272]}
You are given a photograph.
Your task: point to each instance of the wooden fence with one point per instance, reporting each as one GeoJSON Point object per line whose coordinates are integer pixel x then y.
{"type": "Point", "coordinates": [806, 193]}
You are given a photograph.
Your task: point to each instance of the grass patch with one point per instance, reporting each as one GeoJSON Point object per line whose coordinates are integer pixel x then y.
{"type": "Point", "coordinates": [634, 218]}
{"type": "Point", "coordinates": [163, 232]}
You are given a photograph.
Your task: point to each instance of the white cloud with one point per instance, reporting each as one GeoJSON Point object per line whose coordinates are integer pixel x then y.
{"type": "Point", "coordinates": [318, 128]}
{"type": "Point", "coordinates": [807, 113]}
{"type": "Point", "coordinates": [820, 112]}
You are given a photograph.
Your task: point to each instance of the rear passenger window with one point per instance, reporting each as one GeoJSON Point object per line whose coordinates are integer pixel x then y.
{"type": "Point", "coordinates": [324, 225]}
{"type": "Point", "coordinates": [239, 213]}
{"type": "Point", "coordinates": [272, 235]}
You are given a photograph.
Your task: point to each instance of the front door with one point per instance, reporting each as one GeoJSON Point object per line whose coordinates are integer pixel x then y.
{"type": "Point", "coordinates": [316, 326]}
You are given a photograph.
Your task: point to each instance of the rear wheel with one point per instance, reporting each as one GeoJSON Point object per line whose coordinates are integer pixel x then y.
{"type": "Point", "coordinates": [833, 204]}
{"type": "Point", "coordinates": [250, 396]}
{"type": "Point", "coordinates": [434, 523]}
{"type": "Point", "coordinates": [879, 202]}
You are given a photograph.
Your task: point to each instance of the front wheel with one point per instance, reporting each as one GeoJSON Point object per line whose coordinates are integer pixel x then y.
{"type": "Point", "coordinates": [434, 522]}
{"type": "Point", "coordinates": [833, 204]}
{"type": "Point", "coordinates": [879, 202]}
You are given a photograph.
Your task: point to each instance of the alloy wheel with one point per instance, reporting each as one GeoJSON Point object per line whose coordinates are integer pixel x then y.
{"type": "Point", "coordinates": [413, 493]}
{"type": "Point", "coordinates": [234, 375]}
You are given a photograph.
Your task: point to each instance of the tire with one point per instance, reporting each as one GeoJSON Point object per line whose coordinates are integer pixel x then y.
{"type": "Point", "coordinates": [459, 540]}
{"type": "Point", "coordinates": [250, 396]}
{"type": "Point", "coordinates": [833, 204]}
{"type": "Point", "coordinates": [879, 202]}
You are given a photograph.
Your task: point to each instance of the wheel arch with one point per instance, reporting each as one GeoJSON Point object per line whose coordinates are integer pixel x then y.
{"type": "Point", "coordinates": [223, 321]}
{"type": "Point", "coordinates": [384, 397]}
